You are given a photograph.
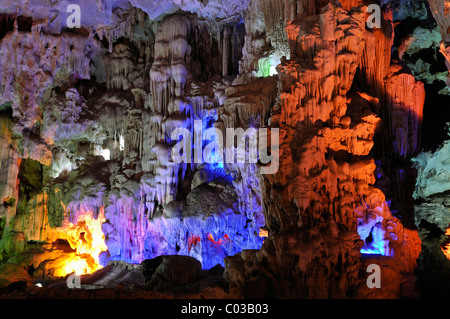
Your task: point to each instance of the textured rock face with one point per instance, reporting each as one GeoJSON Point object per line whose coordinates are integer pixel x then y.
{"type": "Point", "coordinates": [86, 131]}
{"type": "Point", "coordinates": [93, 112]}
{"type": "Point", "coordinates": [9, 168]}
{"type": "Point", "coordinates": [177, 270]}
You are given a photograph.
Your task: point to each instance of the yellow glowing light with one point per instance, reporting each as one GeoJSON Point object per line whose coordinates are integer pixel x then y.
{"type": "Point", "coordinates": [87, 238]}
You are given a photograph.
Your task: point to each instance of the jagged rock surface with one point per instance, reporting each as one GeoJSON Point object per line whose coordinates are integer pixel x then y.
{"type": "Point", "coordinates": [86, 127]}
{"type": "Point", "coordinates": [318, 201]}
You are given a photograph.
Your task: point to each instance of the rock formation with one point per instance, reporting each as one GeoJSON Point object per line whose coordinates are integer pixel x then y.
{"type": "Point", "coordinates": [432, 217]}
{"type": "Point", "coordinates": [441, 13]}
{"type": "Point", "coordinates": [109, 167]}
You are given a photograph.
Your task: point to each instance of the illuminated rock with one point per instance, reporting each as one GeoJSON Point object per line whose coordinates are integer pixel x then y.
{"type": "Point", "coordinates": [440, 12]}
{"type": "Point", "coordinates": [406, 97]}
{"type": "Point", "coordinates": [320, 123]}
{"type": "Point", "coordinates": [432, 217]}
{"type": "Point", "coordinates": [90, 178]}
